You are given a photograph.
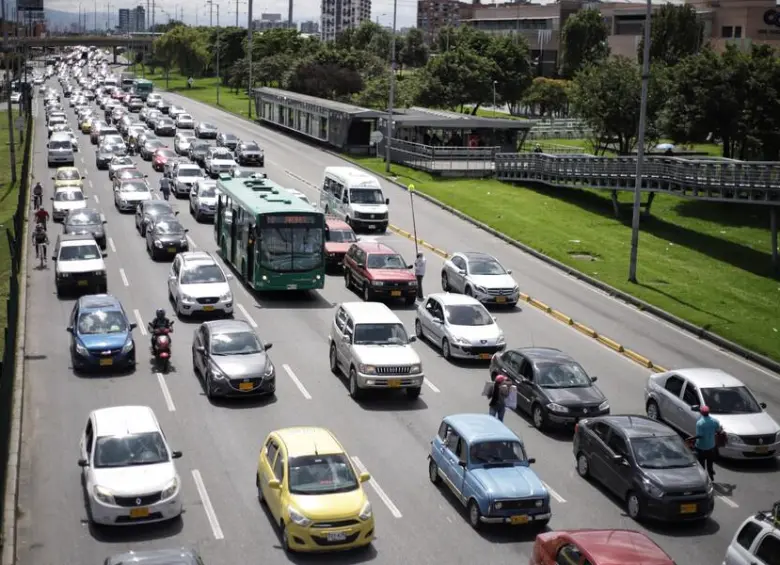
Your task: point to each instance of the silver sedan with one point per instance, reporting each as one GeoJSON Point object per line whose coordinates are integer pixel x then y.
{"type": "Point", "coordinates": [481, 276]}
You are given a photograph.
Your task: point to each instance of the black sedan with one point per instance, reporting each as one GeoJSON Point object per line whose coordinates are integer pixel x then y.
{"type": "Point", "coordinates": [551, 386]}
{"type": "Point", "coordinates": [106, 153]}
{"type": "Point", "coordinates": [149, 147]}
{"type": "Point", "coordinates": [86, 221]}
{"type": "Point", "coordinates": [165, 237]}
{"type": "Point", "coordinates": [227, 140]}
{"type": "Point", "coordinates": [124, 175]}
{"type": "Point", "coordinates": [647, 465]}
{"type": "Point", "coordinates": [151, 210]}
{"type": "Point", "coordinates": [205, 131]}
{"type": "Point", "coordinates": [198, 151]}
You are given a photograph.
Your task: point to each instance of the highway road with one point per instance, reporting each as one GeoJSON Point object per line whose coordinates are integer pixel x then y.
{"type": "Point", "coordinates": [416, 522]}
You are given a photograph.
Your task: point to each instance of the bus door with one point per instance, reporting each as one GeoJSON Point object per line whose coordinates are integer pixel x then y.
{"type": "Point", "coordinates": [250, 251]}
{"type": "Point", "coordinates": [233, 229]}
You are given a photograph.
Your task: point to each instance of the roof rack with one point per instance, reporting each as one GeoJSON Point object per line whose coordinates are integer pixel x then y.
{"type": "Point", "coordinates": [772, 516]}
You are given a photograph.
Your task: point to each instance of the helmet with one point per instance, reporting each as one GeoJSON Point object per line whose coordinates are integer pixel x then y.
{"type": "Point", "coordinates": [704, 410]}
{"type": "Point", "coordinates": [41, 209]}
{"type": "Point", "coordinates": [501, 378]}
{"type": "Point", "coordinates": [160, 313]}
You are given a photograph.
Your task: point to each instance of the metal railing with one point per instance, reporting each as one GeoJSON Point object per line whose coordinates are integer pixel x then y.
{"type": "Point", "coordinates": [443, 160]}
{"type": "Point", "coordinates": [704, 179]}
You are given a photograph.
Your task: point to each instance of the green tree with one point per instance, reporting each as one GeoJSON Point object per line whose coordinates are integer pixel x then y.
{"type": "Point", "coordinates": [414, 52]}
{"type": "Point", "coordinates": [376, 93]}
{"type": "Point", "coordinates": [513, 76]}
{"type": "Point", "coordinates": [456, 79]}
{"type": "Point", "coordinates": [548, 96]}
{"type": "Point", "coordinates": [188, 47]}
{"type": "Point", "coordinates": [327, 74]}
{"type": "Point", "coordinates": [762, 105]}
{"type": "Point", "coordinates": [676, 32]}
{"type": "Point", "coordinates": [583, 41]}
{"type": "Point", "coordinates": [231, 47]}
{"type": "Point", "coordinates": [272, 70]}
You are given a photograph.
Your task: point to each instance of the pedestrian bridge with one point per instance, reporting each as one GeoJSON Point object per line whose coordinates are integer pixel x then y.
{"type": "Point", "coordinates": [128, 40]}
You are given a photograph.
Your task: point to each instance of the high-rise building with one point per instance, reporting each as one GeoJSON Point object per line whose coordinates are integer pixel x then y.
{"type": "Point", "coordinates": [132, 20]}
{"type": "Point", "coordinates": [269, 21]}
{"type": "Point", "coordinates": [339, 15]}
{"type": "Point", "coordinates": [433, 15]}
{"type": "Point", "coordinates": [310, 27]}
{"type": "Point", "coordinates": [124, 20]}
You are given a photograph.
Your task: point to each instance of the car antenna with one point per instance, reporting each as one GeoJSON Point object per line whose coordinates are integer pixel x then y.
{"type": "Point", "coordinates": [316, 453]}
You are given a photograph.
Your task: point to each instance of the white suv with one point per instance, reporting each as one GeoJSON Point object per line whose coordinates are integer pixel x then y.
{"type": "Point", "coordinates": [79, 264]}
{"type": "Point", "coordinates": [757, 541]}
{"type": "Point", "coordinates": [369, 344]}
{"type": "Point", "coordinates": [128, 468]}
{"type": "Point", "coordinates": [197, 283]}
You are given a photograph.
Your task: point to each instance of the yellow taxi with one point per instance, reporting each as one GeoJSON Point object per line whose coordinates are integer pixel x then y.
{"type": "Point", "coordinates": [86, 124]}
{"type": "Point", "coordinates": [313, 492]}
{"type": "Point", "coordinates": [68, 176]}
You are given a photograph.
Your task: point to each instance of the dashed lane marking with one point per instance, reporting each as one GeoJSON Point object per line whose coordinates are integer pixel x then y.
{"type": "Point", "coordinates": [378, 490]}
{"type": "Point", "coordinates": [294, 378]}
{"type": "Point", "coordinates": [430, 385]}
{"type": "Point", "coordinates": [111, 245]}
{"type": "Point", "coordinates": [166, 393]}
{"type": "Point", "coordinates": [246, 315]}
{"type": "Point", "coordinates": [191, 242]}
{"type": "Point", "coordinates": [124, 277]}
{"type": "Point", "coordinates": [140, 321]}
{"type": "Point", "coordinates": [554, 494]}
{"type": "Point", "coordinates": [89, 182]}
{"type": "Point", "coordinates": [96, 198]}
{"type": "Point", "coordinates": [727, 501]}
{"type": "Point", "coordinates": [216, 529]}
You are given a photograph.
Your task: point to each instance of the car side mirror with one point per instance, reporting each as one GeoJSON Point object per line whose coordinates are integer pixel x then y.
{"type": "Point", "coordinates": [364, 477]}
{"type": "Point", "coordinates": [83, 463]}
{"type": "Point", "coordinates": [762, 404]}
{"type": "Point", "coordinates": [51, 198]}
{"type": "Point", "coordinates": [461, 271]}
{"type": "Point", "coordinates": [186, 230]}
{"type": "Point", "coordinates": [594, 379]}
{"type": "Point", "coordinates": [200, 349]}
{"type": "Point", "coordinates": [229, 277]}
{"type": "Point", "coordinates": [133, 325]}
{"type": "Point", "coordinates": [268, 346]}
{"type": "Point", "coordinates": [462, 464]}
{"type": "Point", "coordinates": [274, 484]}
{"type": "Point", "coordinates": [176, 213]}
{"type": "Point", "coordinates": [176, 455]}
{"type": "Point", "coordinates": [146, 176]}
{"type": "Point", "coordinates": [346, 338]}
{"type": "Point", "coordinates": [695, 407]}
{"type": "Point", "coordinates": [532, 460]}
{"type": "Point", "coordinates": [438, 321]}
{"type": "Point", "coordinates": [52, 178]}
{"type": "Point", "coordinates": [104, 255]}
{"type": "Point", "coordinates": [410, 266]}
{"type": "Point", "coordinates": [69, 329]}
{"type": "Point", "coordinates": [83, 177]}
{"type": "Point", "coordinates": [412, 338]}
{"type": "Point", "coordinates": [618, 458]}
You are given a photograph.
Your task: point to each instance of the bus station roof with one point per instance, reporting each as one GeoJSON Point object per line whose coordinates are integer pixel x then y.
{"type": "Point", "coordinates": [287, 95]}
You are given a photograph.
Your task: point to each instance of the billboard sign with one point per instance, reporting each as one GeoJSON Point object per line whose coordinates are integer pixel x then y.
{"type": "Point", "coordinates": [29, 5]}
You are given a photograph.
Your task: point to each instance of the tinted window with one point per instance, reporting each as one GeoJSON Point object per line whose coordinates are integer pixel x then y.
{"type": "Point", "coordinates": [203, 274]}
{"type": "Point", "coordinates": [102, 322]}
{"type": "Point", "coordinates": [674, 385]}
{"type": "Point", "coordinates": [562, 375]}
{"type": "Point", "coordinates": [189, 171]}
{"type": "Point", "coordinates": [468, 315]}
{"type": "Point", "coordinates": [169, 228]}
{"type": "Point", "coordinates": [747, 535]}
{"type": "Point", "coordinates": [617, 444]}
{"type": "Point", "coordinates": [70, 174]}
{"type": "Point", "coordinates": [379, 334]}
{"type": "Point", "coordinates": [366, 196]}
{"type": "Point", "coordinates": [497, 452]}
{"type": "Point", "coordinates": [84, 218]}
{"type": "Point", "coordinates": [341, 236]}
{"type": "Point", "coordinates": [662, 452]}
{"type": "Point", "coordinates": [249, 147]}
{"type": "Point", "coordinates": [730, 400]}
{"type": "Point", "coordinates": [235, 343]}
{"type": "Point", "coordinates": [321, 474]}
{"type": "Point", "coordinates": [486, 267]}
{"type": "Point", "coordinates": [79, 252]}
{"type": "Point", "coordinates": [569, 554]}
{"type": "Point", "coordinates": [385, 261]}
{"type": "Point", "coordinates": [769, 550]}
{"type": "Point", "coordinates": [690, 396]}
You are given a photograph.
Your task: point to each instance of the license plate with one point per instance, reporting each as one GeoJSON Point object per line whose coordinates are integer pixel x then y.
{"type": "Point", "coordinates": [394, 383]}
{"type": "Point", "coordinates": [371, 226]}
{"type": "Point", "coordinates": [516, 520]}
{"type": "Point", "coordinates": [139, 512]}
{"type": "Point", "coordinates": [83, 283]}
{"type": "Point", "coordinates": [245, 386]}
{"type": "Point", "coordinates": [688, 508]}
{"type": "Point", "coordinates": [106, 362]}
{"type": "Point", "coordinates": [208, 308]}
{"type": "Point", "coordinates": [395, 293]}
{"type": "Point", "coordinates": [485, 356]}
{"type": "Point", "coordinates": [336, 536]}
{"type": "Point", "coordinates": [171, 250]}
{"type": "Point", "coordinates": [292, 287]}
{"type": "Point", "coordinates": [762, 449]}
{"type": "Point", "coordinates": [500, 298]}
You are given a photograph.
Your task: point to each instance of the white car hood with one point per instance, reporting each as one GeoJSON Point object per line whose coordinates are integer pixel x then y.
{"type": "Point", "coordinates": [205, 290]}
{"type": "Point", "coordinates": [135, 196]}
{"type": "Point", "coordinates": [224, 162]}
{"type": "Point", "coordinates": [191, 180]}
{"type": "Point", "coordinates": [386, 354]}
{"type": "Point", "coordinates": [183, 145]}
{"type": "Point", "coordinates": [477, 334]}
{"type": "Point", "coordinates": [493, 281]}
{"type": "Point", "coordinates": [370, 208]}
{"type": "Point", "coordinates": [210, 201]}
{"type": "Point", "coordinates": [60, 206]}
{"type": "Point", "coordinates": [748, 424]}
{"type": "Point", "coordinates": [83, 266]}
{"type": "Point", "coordinates": [135, 480]}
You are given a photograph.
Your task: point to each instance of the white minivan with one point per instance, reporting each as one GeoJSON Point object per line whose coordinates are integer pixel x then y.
{"type": "Point", "coordinates": [59, 149]}
{"type": "Point", "coordinates": [757, 541]}
{"type": "Point", "coordinates": [356, 197]}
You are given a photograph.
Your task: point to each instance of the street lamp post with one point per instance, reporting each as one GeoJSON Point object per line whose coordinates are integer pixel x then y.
{"type": "Point", "coordinates": [391, 96]}
{"type": "Point", "coordinates": [249, 55]}
{"type": "Point", "coordinates": [219, 80]}
{"type": "Point", "coordinates": [411, 190]}
{"type": "Point", "coordinates": [495, 82]}
{"type": "Point", "coordinates": [640, 156]}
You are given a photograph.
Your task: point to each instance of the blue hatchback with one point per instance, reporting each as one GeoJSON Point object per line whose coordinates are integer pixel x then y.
{"type": "Point", "coordinates": [101, 334]}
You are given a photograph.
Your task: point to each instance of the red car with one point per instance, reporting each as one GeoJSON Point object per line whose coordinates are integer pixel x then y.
{"type": "Point", "coordinates": [597, 547]}
{"type": "Point", "coordinates": [161, 156]}
{"type": "Point", "coordinates": [378, 272]}
{"type": "Point", "coordinates": [338, 238]}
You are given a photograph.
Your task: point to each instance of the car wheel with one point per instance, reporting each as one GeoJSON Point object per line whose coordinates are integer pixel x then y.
{"type": "Point", "coordinates": [209, 386]}
{"type": "Point", "coordinates": [285, 538]}
{"type": "Point", "coordinates": [445, 282]}
{"type": "Point", "coordinates": [445, 349]}
{"type": "Point", "coordinates": [260, 497]}
{"type": "Point", "coordinates": [433, 472]}
{"type": "Point", "coordinates": [475, 515]}
{"type": "Point", "coordinates": [583, 465]}
{"type": "Point", "coordinates": [633, 506]}
{"type": "Point", "coordinates": [333, 358]}
{"type": "Point", "coordinates": [354, 389]}
{"type": "Point", "coordinates": [418, 331]}
{"type": "Point", "coordinates": [537, 415]}
{"type": "Point", "coordinates": [413, 393]}
{"type": "Point", "coordinates": [653, 412]}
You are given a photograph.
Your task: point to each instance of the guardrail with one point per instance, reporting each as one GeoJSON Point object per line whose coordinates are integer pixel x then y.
{"type": "Point", "coordinates": [703, 179]}
{"type": "Point", "coordinates": [442, 160]}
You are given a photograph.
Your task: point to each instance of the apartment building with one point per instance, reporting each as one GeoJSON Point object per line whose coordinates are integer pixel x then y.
{"type": "Point", "coordinates": [132, 20]}
{"type": "Point", "coordinates": [339, 15]}
{"type": "Point", "coordinates": [434, 15]}
{"type": "Point", "coordinates": [310, 27]}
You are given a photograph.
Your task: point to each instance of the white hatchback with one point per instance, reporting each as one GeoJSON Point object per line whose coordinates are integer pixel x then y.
{"type": "Point", "coordinates": [198, 284]}
{"type": "Point", "coordinates": [128, 468]}
{"type": "Point", "coordinates": [66, 199]}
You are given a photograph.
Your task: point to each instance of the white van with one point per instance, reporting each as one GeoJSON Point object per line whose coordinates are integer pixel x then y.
{"type": "Point", "coordinates": [59, 149]}
{"type": "Point", "coordinates": [757, 541]}
{"type": "Point", "coordinates": [356, 197]}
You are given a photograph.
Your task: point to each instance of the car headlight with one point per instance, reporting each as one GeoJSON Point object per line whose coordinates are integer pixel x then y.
{"type": "Point", "coordinates": [378, 283]}
{"type": "Point", "coordinates": [216, 373]}
{"type": "Point", "coordinates": [710, 486]}
{"type": "Point", "coordinates": [553, 407]}
{"type": "Point", "coordinates": [366, 512]}
{"type": "Point", "coordinates": [183, 241]}
{"type": "Point", "coordinates": [171, 489]}
{"type": "Point", "coordinates": [127, 347]}
{"type": "Point", "coordinates": [412, 283]}
{"type": "Point", "coordinates": [481, 289]}
{"type": "Point", "coordinates": [460, 340]}
{"type": "Point", "coordinates": [501, 340]}
{"type": "Point", "coordinates": [227, 297]}
{"type": "Point", "coordinates": [498, 505]}
{"type": "Point", "coordinates": [269, 370]}
{"type": "Point", "coordinates": [103, 495]}
{"type": "Point", "coordinates": [158, 243]}
{"type": "Point", "coordinates": [604, 406]}
{"type": "Point", "coordinates": [187, 298]}
{"type": "Point", "coordinates": [734, 439]}
{"type": "Point", "coordinates": [81, 350]}
{"type": "Point", "coordinates": [298, 518]}
{"type": "Point", "coordinates": [367, 369]}
{"type": "Point", "coordinates": [416, 368]}
{"type": "Point", "coordinates": [651, 489]}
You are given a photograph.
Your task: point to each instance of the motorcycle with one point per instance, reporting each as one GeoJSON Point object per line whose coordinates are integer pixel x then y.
{"type": "Point", "coordinates": [161, 350]}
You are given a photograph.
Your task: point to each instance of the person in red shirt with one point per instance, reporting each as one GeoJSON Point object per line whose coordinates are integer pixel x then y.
{"type": "Point", "coordinates": [41, 217]}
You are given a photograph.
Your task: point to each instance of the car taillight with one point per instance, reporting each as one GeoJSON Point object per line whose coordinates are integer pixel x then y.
{"type": "Point", "coordinates": [576, 427]}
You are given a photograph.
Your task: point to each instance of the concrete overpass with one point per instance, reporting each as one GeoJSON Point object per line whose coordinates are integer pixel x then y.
{"type": "Point", "coordinates": [130, 40]}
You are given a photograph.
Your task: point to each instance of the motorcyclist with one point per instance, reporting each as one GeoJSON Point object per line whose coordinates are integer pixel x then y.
{"type": "Point", "coordinates": [37, 195]}
{"type": "Point", "coordinates": [41, 217]}
{"type": "Point", "coordinates": [159, 322]}
{"type": "Point", "coordinates": [40, 239]}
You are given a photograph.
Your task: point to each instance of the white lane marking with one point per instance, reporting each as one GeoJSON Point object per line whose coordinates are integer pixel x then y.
{"type": "Point", "coordinates": [300, 179]}
{"type": "Point", "coordinates": [82, 160]}
{"type": "Point", "coordinates": [297, 382]}
{"type": "Point", "coordinates": [124, 277]}
{"type": "Point", "coordinates": [140, 321]}
{"type": "Point", "coordinates": [246, 315]}
{"type": "Point", "coordinates": [554, 494]}
{"type": "Point", "coordinates": [156, 196]}
{"type": "Point", "coordinates": [166, 393]}
{"type": "Point", "coordinates": [111, 245]}
{"type": "Point", "coordinates": [216, 529]}
{"type": "Point", "coordinates": [90, 183]}
{"type": "Point", "coordinates": [96, 198]}
{"type": "Point", "coordinates": [191, 242]}
{"type": "Point", "coordinates": [86, 173]}
{"type": "Point", "coordinates": [430, 385]}
{"type": "Point", "coordinates": [727, 501]}
{"type": "Point", "coordinates": [378, 490]}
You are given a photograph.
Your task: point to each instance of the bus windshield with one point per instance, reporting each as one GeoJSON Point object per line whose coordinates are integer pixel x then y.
{"type": "Point", "coordinates": [291, 248]}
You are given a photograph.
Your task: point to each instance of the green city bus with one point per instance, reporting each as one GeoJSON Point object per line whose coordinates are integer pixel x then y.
{"type": "Point", "coordinates": [142, 88]}
{"type": "Point", "coordinates": [273, 239]}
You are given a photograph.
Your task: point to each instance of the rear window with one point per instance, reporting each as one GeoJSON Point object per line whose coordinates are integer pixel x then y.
{"type": "Point", "coordinates": [747, 534]}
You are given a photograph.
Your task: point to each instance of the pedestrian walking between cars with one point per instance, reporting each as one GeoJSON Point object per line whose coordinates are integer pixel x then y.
{"type": "Point", "coordinates": [419, 273]}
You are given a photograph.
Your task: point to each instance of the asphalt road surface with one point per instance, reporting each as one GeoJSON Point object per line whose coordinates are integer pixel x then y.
{"type": "Point", "coordinates": [416, 522]}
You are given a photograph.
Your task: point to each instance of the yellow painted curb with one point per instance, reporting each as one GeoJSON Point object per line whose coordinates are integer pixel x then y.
{"type": "Point", "coordinates": [659, 369]}
{"type": "Point", "coordinates": [611, 343]}
{"type": "Point", "coordinates": [637, 358]}
{"type": "Point", "coordinates": [541, 305]}
{"type": "Point", "coordinates": [524, 297]}
{"type": "Point", "coordinates": [585, 329]}
{"type": "Point", "coordinates": [562, 317]}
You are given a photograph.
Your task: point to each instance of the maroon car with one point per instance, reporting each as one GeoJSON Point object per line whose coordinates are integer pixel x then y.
{"type": "Point", "coordinates": [338, 239]}
{"type": "Point", "coordinates": [378, 272]}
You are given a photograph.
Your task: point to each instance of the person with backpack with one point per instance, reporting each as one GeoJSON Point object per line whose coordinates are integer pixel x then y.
{"type": "Point", "coordinates": [497, 404]}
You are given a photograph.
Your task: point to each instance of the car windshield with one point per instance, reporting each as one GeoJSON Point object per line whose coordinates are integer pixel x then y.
{"type": "Point", "coordinates": [208, 192]}
{"type": "Point", "coordinates": [122, 161]}
{"type": "Point", "coordinates": [79, 252]}
{"type": "Point", "coordinates": [321, 474]}
{"type": "Point", "coordinates": [68, 175]}
{"type": "Point", "coordinates": [186, 138]}
{"type": "Point", "coordinates": [60, 145]}
{"type": "Point", "coordinates": [84, 218]}
{"type": "Point", "coordinates": [366, 196]}
{"type": "Point", "coordinates": [385, 261]}
{"type": "Point", "coordinates": [492, 452]}
{"type": "Point", "coordinates": [200, 146]}
{"type": "Point", "coordinates": [155, 143]}
{"type": "Point", "coordinates": [341, 236]}
{"type": "Point", "coordinates": [662, 452]}
{"type": "Point", "coordinates": [562, 375]}
{"type": "Point", "coordinates": [169, 228]}
{"type": "Point", "coordinates": [202, 274]}
{"type": "Point", "coordinates": [133, 187]}
{"type": "Point", "coordinates": [68, 196]}
{"type": "Point", "coordinates": [167, 153]}
{"type": "Point", "coordinates": [229, 137]}
{"type": "Point", "coordinates": [159, 209]}
{"type": "Point", "coordinates": [468, 315]}
{"type": "Point", "coordinates": [235, 343]}
{"type": "Point", "coordinates": [486, 267]}
{"type": "Point", "coordinates": [102, 322]}
{"type": "Point", "coordinates": [130, 450]}
{"type": "Point", "coordinates": [185, 117]}
{"type": "Point", "coordinates": [207, 126]}
{"type": "Point", "coordinates": [380, 334]}
{"type": "Point", "coordinates": [730, 400]}
{"type": "Point", "coordinates": [131, 174]}
{"type": "Point", "coordinates": [250, 147]}
{"type": "Point", "coordinates": [221, 154]}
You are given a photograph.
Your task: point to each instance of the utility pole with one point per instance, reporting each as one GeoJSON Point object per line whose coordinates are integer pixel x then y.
{"type": "Point", "coordinates": [391, 97]}
{"type": "Point", "coordinates": [154, 9]}
{"type": "Point", "coordinates": [95, 16]}
{"type": "Point", "coordinates": [8, 105]}
{"type": "Point", "coordinates": [289, 14]}
{"type": "Point", "coordinates": [219, 48]}
{"type": "Point", "coordinates": [248, 55]}
{"type": "Point", "coordinates": [236, 13]}
{"type": "Point", "coordinates": [148, 13]}
{"type": "Point", "coordinates": [211, 12]}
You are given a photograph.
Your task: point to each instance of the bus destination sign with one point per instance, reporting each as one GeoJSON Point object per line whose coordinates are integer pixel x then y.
{"type": "Point", "coordinates": [290, 220]}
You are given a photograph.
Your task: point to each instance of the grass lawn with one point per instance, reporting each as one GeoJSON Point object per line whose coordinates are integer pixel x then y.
{"type": "Point", "coordinates": [708, 263]}
{"type": "Point", "coordinates": [9, 194]}
{"type": "Point", "coordinates": [712, 149]}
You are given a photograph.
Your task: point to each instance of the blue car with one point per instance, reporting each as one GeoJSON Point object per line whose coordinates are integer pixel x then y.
{"type": "Point", "coordinates": [484, 464]}
{"type": "Point", "coordinates": [102, 335]}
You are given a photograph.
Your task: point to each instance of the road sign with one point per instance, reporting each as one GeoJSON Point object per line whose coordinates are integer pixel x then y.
{"type": "Point", "coordinates": [376, 137]}
{"type": "Point", "coordinates": [19, 123]}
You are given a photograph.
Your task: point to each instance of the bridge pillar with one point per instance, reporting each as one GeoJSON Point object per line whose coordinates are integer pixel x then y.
{"type": "Point", "coordinates": [773, 230]}
{"type": "Point", "coordinates": [113, 51]}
